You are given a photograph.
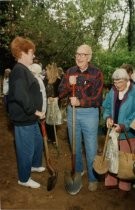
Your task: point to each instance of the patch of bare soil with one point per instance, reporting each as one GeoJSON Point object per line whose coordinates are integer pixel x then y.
{"type": "Point", "coordinates": [13, 196]}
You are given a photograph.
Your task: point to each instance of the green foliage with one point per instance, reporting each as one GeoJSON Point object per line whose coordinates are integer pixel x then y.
{"type": "Point", "coordinates": [57, 27]}
{"type": "Point", "coordinates": [109, 61]}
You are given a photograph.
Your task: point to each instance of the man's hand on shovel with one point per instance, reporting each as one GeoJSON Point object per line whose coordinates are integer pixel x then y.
{"type": "Point", "coordinates": [73, 100]}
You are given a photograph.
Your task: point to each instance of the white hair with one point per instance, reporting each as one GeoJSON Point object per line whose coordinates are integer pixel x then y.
{"type": "Point", "coordinates": [35, 68]}
{"type": "Point", "coordinates": [7, 70]}
{"type": "Point", "coordinates": [120, 73]}
{"type": "Point", "coordinates": [87, 50]}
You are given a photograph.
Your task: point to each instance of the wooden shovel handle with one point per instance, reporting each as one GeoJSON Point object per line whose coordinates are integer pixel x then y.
{"type": "Point", "coordinates": [73, 132]}
{"type": "Point", "coordinates": [47, 157]}
{"type": "Point", "coordinates": [43, 128]}
{"type": "Point", "coordinates": [73, 89]}
{"type": "Point", "coordinates": [106, 141]}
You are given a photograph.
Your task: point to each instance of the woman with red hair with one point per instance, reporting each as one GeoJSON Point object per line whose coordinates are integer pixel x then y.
{"type": "Point", "coordinates": [25, 105]}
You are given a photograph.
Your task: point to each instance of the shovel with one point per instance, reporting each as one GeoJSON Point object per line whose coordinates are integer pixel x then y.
{"type": "Point", "coordinates": [101, 164]}
{"type": "Point", "coordinates": [53, 173]}
{"type": "Point", "coordinates": [55, 133]}
{"type": "Point", "coordinates": [73, 180]}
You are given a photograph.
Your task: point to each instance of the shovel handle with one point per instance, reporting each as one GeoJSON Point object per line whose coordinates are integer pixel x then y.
{"type": "Point", "coordinates": [105, 144]}
{"type": "Point", "coordinates": [54, 128]}
{"type": "Point", "coordinates": [47, 157]}
{"type": "Point", "coordinates": [73, 90]}
{"type": "Point", "coordinates": [43, 128]}
{"type": "Point", "coordinates": [73, 133]}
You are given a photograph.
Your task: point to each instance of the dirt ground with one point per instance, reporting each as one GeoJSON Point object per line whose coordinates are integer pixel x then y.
{"type": "Point", "coordinates": [13, 196]}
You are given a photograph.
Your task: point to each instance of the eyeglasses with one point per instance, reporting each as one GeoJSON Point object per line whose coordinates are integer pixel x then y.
{"type": "Point", "coordinates": [117, 82]}
{"type": "Point", "coordinates": [82, 55]}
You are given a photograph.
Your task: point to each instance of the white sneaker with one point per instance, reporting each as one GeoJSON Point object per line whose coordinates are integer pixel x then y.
{"type": "Point", "coordinates": [30, 183]}
{"type": "Point", "coordinates": [38, 169]}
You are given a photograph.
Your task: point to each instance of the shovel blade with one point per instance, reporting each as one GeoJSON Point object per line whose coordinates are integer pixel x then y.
{"type": "Point", "coordinates": [100, 166]}
{"type": "Point", "coordinates": [52, 181]}
{"type": "Point", "coordinates": [73, 183]}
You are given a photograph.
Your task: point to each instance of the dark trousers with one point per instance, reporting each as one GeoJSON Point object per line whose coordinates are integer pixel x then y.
{"type": "Point", "coordinates": [50, 132]}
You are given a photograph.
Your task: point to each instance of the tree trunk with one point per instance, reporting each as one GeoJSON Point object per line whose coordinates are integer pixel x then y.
{"type": "Point", "coordinates": [131, 26]}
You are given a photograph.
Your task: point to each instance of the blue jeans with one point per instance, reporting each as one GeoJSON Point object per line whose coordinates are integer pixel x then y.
{"type": "Point", "coordinates": [87, 120]}
{"type": "Point", "coordinates": [29, 149]}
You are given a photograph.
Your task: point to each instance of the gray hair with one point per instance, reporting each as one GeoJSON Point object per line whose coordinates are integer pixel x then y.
{"type": "Point", "coordinates": [120, 73]}
{"type": "Point", "coordinates": [87, 49]}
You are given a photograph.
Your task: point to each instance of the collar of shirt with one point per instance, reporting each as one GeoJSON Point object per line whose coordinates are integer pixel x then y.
{"type": "Point", "coordinates": [80, 71]}
{"type": "Point", "coordinates": [122, 93]}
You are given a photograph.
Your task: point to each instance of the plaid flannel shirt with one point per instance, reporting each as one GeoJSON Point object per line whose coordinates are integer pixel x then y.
{"type": "Point", "coordinates": [89, 86]}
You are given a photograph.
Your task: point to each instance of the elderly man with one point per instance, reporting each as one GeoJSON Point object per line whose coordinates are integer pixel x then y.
{"type": "Point", "coordinates": [88, 81]}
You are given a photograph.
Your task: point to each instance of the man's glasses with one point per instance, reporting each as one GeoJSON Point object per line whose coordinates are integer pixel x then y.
{"type": "Point", "coordinates": [82, 55]}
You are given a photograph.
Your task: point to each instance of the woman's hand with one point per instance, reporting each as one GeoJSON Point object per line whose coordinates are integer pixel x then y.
{"type": "Point", "coordinates": [50, 99]}
{"type": "Point", "coordinates": [117, 128]}
{"type": "Point", "coordinates": [109, 122]}
{"type": "Point", "coordinates": [39, 114]}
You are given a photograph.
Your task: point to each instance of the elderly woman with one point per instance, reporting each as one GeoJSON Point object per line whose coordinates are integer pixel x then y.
{"type": "Point", "coordinates": [6, 87]}
{"type": "Point", "coordinates": [36, 69]}
{"type": "Point", "coordinates": [119, 111]}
